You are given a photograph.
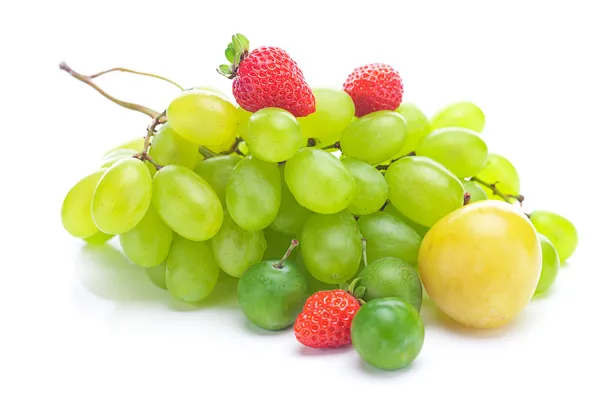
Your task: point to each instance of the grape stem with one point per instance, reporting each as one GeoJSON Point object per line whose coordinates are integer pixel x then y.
{"type": "Point", "coordinates": [493, 187]}
{"type": "Point", "coordinates": [293, 245]}
{"type": "Point", "coordinates": [385, 167]}
{"type": "Point", "coordinates": [364, 250]}
{"type": "Point", "coordinates": [206, 152]}
{"type": "Point", "coordinates": [88, 81]}
{"type": "Point", "coordinates": [311, 142]}
{"type": "Point", "coordinates": [130, 71]}
{"type": "Point", "coordinates": [336, 145]}
{"type": "Point", "coordinates": [150, 132]}
{"type": "Point", "coordinates": [466, 198]}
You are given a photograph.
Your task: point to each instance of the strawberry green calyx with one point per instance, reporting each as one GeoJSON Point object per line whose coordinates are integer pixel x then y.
{"type": "Point", "coordinates": [237, 50]}
{"type": "Point", "coordinates": [356, 291]}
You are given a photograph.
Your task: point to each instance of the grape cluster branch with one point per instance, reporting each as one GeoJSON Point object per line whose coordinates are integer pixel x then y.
{"type": "Point", "coordinates": [494, 188]}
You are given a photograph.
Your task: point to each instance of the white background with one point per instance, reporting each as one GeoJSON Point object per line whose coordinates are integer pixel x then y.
{"type": "Point", "coordinates": [80, 323]}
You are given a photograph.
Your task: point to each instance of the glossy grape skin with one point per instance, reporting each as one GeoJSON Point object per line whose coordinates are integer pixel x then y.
{"type": "Point", "coordinates": [148, 243]}
{"type": "Point", "coordinates": [273, 135]}
{"type": "Point", "coordinates": [136, 144]}
{"type": "Point", "coordinates": [236, 249]}
{"type": "Point", "coordinates": [417, 127]}
{"type": "Point", "coordinates": [392, 277]}
{"type": "Point", "coordinates": [371, 187]}
{"type": "Point", "coordinates": [475, 191]}
{"type": "Point", "coordinates": [550, 265]}
{"type": "Point", "coordinates": [319, 181]}
{"type": "Point", "coordinates": [186, 203]}
{"type": "Point", "coordinates": [463, 114]}
{"type": "Point", "coordinates": [76, 212]}
{"type": "Point", "coordinates": [115, 155]}
{"type": "Point", "coordinates": [388, 236]}
{"type": "Point", "coordinates": [388, 333]}
{"type": "Point", "coordinates": [169, 148]}
{"type": "Point", "coordinates": [158, 275]}
{"type": "Point", "coordinates": [291, 216]}
{"type": "Point", "coordinates": [334, 111]}
{"type": "Point", "coordinates": [243, 117]}
{"type": "Point", "coordinates": [375, 137]}
{"type": "Point", "coordinates": [202, 117]}
{"type": "Point", "coordinates": [192, 272]}
{"type": "Point", "coordinates": [253, 194]}
{"type": "Point", "coordinates": [216, 172]}
{"type": "Point", "coordinates": [420, 229]}
{"type": "Point", "coordinates": [271, 298]}
{"type": "Point", "coordinates": [558, 230]}
{"type": "Point", "coordinates": [98, 238]}
{"type": "Point", "coordinates": [423, 189]}
{"type": "Point", "coordinates": [122, 196]}
{"type": "Point", "coordinates": [331, 247]}
{"type": "Point", "coordinates": [462, 151]}
{"type": "Point", "coordinates": [500, 171]}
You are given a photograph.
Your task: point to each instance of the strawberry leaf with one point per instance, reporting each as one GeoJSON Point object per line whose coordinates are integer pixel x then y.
{"type": "Point", "coordinates": [230, 53]}
{"type": "Point", "coordinates": [244, 40]}
{"type": "Point", "coordinates": [359, 292]}
{"type": "Point", "coordinates": [225, 70]}
{"type": "Point", "coordinates": [237, 45]}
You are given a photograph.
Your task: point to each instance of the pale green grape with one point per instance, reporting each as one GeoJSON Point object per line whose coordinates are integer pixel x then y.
{"type": "Point", "coordinates": [475, 190]}
{"type": "Point", "coordinates": [420, 229]}
{"type": "Point", "coordinates": [291, 216]}
{"type": "Point", "coordinates": [168, 148]}
{"type": "Point", "coordinates": [423, 189]}
{"type": "Point", "coordinates": [550, 265]}
{"type": "Point", "coordinates": [463, 114]}
{"type": "Point", "coordinates": [236, 249]}
{"type": "Point", "coordinates": [115, 155]}
{"type": "Point", "coordinates": [388, 236]}
{"type": "Point", "coordinates": [192, 272]}
{"type": "Point", "coordinates": [273, 135]}
{"type": "Point", "coordinates": [122, 196]}
{"type": "Point", "coordinates": [371, 187]}
{"type": "Point", "coordinates": [500, 171]}
{"type": "Point", "coordinates": [375, 137]}
{"type": "Point", "coordinates": [334, 111]}
{"type": "Point", "coordinates": [186, 203]}
{"type": "Point", "coordinates": [253, 193]}
{"type": "Point", "coordinates": [226, 146]}
{"type": "Point", "coordinates": [331, 247]}
{"type": "Point", "coordinates": [319, 181]}
{"type": "Point", "coordinates": [243, 117]}
{"type": "Point", "coordinates": [158, 275]}
{"type": "Point", "coordinates": [148, 243]}
{"type": "Point", "coordinates": [202, 117]}
{"type": "Point", "coordinates": [76, 212]}
{"type": "Point", "coordinates": [216, 171]}
{"type": "Point", "coordinates": [417, 127]}
{"type": "Point", "coordinates": [98, 238]}
{"type": "Point", "coordinates": [136, 145]}
{"type": "Point", "coordinates": [559, 230]}
{"type": "Point", "coordinates": [460, 150]}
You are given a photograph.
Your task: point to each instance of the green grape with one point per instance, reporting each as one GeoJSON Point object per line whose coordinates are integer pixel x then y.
{"type": "Point", "coordinates": [326, 141]}
{"type": "Point", "coordinates": [148, 243]}
{"type": "Point", "coordinates": [122, 196]}
{"type": "Point", "coordinates": [559, 230]}
{"type": "Point", "coordinates": [216, 171]}
{"type": "Point", "coordinates": [158, 275]}
{"type": "Point", "coordinates": [76, 212]}
{"type": "Point", "coordinates": [226, 146]}
{"type": "Point", "coordinates": [115, 155]}
{"type": "Point", "coordinates": [277, 244]}
{"type": "Point", "coordinates": [98, 238]}
{"type": "Point", "coordinates": [319, 181]}
{"type": "Point", "coordinates": [314, 285]}
{"type": "Point", "coordinates": [168, 148]}
{"type": "Point", "coordinates": [243, 117]}
{"type": "Point", "coordinates": [459, 115]}
{"type": "Point", "coordinates": [186, 203]}
{"type": "Point", "coordinates": [550, 265]}
{"type": "Point", "coordinates": [331, 247]}
{"type": "Point", "coordinates": [236, 249]}
{"type": "Point", "coordinates": [192, 272]}
{"type": "Point", "coordinates": [202, 117]}
{"type": "Point", "coordinates": [243, 148]}
{"type": "Point", "coordinates": [417, 127]}
{"type": "Point", "coordinates": [273, 135]}
{"type": "Point", "coordinates": [291, 216]}
{"type": "Point", "coordinates": [334, 111]}
{"type": "Point", "coordinates": [387, 236]}
{"type": "Point", "coordinates": [375, 137]}
{"type": "Point", "coordinates": [371, 187]}
{"type": "Point", "coordinates": [388, 333]}
{"type": "Point", "coordinates": [475, 190]}
{"type": "Point", "coordinates": [423, 190]}
{"type": "Point", "coordinates": [460, 150]}
{"type": "Point", "coordinates": [500, 171]}
{"type": "Point", "coordinates": [392, 277]}
{"type": "Point", "coordinates": [420, 229]}
{"type": "Point", "coordinates": [253, 193]}
{"type": "Point", "coordinates": [136, 145]}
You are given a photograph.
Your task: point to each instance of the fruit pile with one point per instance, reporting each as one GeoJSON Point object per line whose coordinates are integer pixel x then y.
{"type": "Point", "coordinates": [380, 200]}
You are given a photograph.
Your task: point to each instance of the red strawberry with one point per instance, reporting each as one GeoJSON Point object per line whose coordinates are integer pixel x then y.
{"type": "Point", "coordinates": [374, 87]}
{"type": "Point", "coordinates": [266, 77]}
{"type": "Point", "coordinates": [326, 319]}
